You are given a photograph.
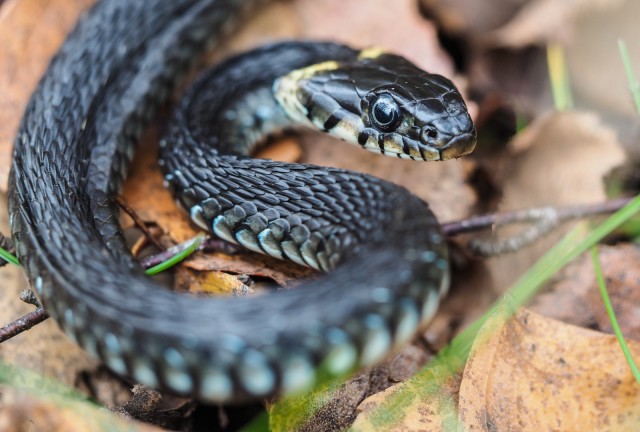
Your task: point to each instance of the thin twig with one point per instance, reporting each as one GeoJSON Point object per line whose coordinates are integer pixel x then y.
{"type": "Point", "coordinates": [27, 321]}
{"type": "Point", "coordinates": [546, 222]}
{"type": "Point", "coordinates": [22, 324]}
{"type": "Point", "coordinates": [29, 297]}
{"type": "Point", "coordinates": [213, 244]}
{"type": "Point", "coordinates": [490, 221]}
{"type": "Point", "coordinates": [141, 224]}
{"type": "Point", "coordinates": [543, 221]}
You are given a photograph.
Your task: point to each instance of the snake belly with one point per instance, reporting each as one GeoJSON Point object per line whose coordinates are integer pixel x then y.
{"type": "Point", "coordinates": [384, 247]}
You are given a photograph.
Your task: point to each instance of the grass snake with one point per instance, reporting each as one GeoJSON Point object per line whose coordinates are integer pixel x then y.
{"type": "Point", "coordinates": [386, 255]}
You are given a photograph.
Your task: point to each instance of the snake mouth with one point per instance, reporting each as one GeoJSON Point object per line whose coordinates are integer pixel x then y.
{"type": "Point", "coordinates": [458, 146]}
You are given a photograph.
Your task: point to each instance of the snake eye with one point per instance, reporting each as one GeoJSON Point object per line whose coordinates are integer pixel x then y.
{"type": "Point", "coordinates": [385, 113]}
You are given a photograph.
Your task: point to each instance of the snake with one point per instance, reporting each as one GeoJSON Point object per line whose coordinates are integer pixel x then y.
{"type": "Point", "coordinates": [381, 247]}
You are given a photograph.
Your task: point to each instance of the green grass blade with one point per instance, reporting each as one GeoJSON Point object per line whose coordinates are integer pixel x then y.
{"type": "Point", "coordinates": [631, 76]}
{"type": "Point", "coordinates": [197, 241]}
{"type": "Point", "coordinates": [559, 77]}
{"type": "Point", "coordinates": [10, 258]}
{"type": "Point", "coordinates": [612, 315]}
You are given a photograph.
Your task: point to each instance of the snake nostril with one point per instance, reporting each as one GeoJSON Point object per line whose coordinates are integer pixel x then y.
{"type": "Point", "coordinates": [429, 133]}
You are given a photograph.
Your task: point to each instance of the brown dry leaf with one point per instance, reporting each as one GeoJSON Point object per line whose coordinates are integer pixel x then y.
{"type": "Point", "coordinates": [210, 282]}
{"type": "Point", "coordinates": [285, 150]}
{"type": "Point", "coordinates": [393, 25]}
{"type": "Point", "coordinates": [563, 158]}
{"type": "Point", "coordinates": [596, 71]}
{"type": "Point", "coordinates": [396, 26]}
{"type": "Point", "coordinates": [30, 33]}
{"type": "Point", "coordinates": [575, 298]}
{"type": "Point", "coordinates": [518, 375]}
{"type": "Point", "coordinates": [530, 371]}
{"type": "Point", "coordinates": [284, 273]}
{"type": "Point", "coordinates": [471, 17]}
{"type": "Point", "coordinates": [417, 410]}
{"type": "Point", "coordinates": [541, 21]}
{"type": "Point", "coordinates": [541, 374]}
{"type": "Point", "coordinates": [518, 23]}
{"type": "Point", "coordinates": [164, 411]}
{"type": "Point", "coordinates": [21, 412]}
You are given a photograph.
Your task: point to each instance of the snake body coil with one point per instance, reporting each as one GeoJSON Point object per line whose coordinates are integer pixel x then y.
{"type": "Point", "coordinates": [383, 245]}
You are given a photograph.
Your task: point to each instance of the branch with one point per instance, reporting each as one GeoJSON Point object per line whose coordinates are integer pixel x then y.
{"type": "Point", "coordinates": [25, 322]}
{"type": "Point", "coordinates": [137, 220]}
{"type": "Point", "coordinates": [544, 219]}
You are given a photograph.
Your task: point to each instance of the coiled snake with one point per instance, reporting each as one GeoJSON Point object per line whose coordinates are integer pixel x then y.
{"type": "Point", "coordinates": [383, 246]}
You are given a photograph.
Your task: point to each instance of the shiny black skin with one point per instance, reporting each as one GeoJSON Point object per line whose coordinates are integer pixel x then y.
{"type": "Point", "coordinates": [70, 156]}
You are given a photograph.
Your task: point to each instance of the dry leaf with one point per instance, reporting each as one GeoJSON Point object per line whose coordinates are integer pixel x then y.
{"type": "Point", "coordinates": [575, 298]}
{"type": "Point", "coordinates": [542, 21]}
{"type": "Point", "coordinates": [471, 17]}
{"type": "Point", "coordinates": [284, 150]}
{"type": "Point", "coordinates": [409, 407]}
{"type": "Point", "coordinates": [396, 26]}
{"type": "Point", "coordinates": [21, 412]}
{"type": "Point", "coordinates": [210, 282]}
{"type": "Point", "coordinates": [530, 371]}
{"type": "Point", "coordinates": [596, 71]}
{"type": "Point", "coordinates": [165, 411]}
{"type": "Point", "coordinates": [283, 273]}
{"type": "Point", "coordinates": [541, 374]}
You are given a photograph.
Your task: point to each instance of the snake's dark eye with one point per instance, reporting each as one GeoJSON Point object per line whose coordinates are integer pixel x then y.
{"type": "Point", "coordinates": [385, 113]}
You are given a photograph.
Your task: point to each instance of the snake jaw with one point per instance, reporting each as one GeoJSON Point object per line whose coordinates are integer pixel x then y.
{"type": "Point", "coordinates": [458, 145]}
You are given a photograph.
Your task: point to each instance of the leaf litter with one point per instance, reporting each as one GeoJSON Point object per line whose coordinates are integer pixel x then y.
{"type": "Point", "coordinates": [561, 159]}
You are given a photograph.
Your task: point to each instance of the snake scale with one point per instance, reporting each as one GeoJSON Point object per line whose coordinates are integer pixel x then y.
{"type": "Point", "coordinates": [384, 249]}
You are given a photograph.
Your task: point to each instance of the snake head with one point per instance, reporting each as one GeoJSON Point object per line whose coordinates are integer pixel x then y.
{"type": "Point", "coordinates": [382, 102]}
